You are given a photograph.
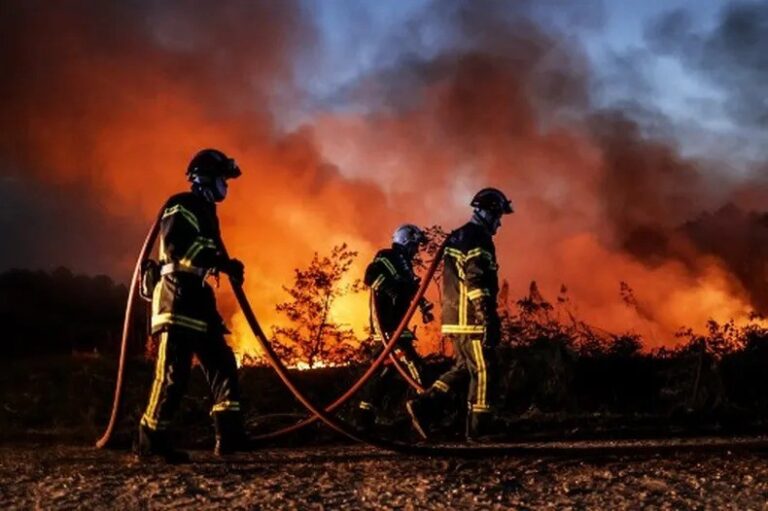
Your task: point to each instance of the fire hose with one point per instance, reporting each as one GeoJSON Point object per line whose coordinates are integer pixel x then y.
{"type": "Point", "coordinates": [340, 426]}
{"type": "Point", "coordinates": [149, 242]}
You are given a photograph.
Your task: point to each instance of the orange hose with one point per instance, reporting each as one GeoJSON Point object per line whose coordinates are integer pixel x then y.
{"type": "Point", "coordinates": [149, 242]}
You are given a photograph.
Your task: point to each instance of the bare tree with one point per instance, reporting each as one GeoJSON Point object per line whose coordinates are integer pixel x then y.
{"type": "Point", "coordinates": [313, 337]}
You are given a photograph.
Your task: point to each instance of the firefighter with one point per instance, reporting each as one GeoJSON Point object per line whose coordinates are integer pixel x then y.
{"type": "Point", "coordinates": [185, 321]}
{"type": "Point", "coordinates": [470, 321]}
{"type": "Point", "coordinates": [393, 284]}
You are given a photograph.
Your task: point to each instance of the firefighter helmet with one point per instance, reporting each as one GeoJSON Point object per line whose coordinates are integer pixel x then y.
{"type": "Point", "coordinates": [493, 200]}
{"type": "Point", "coordinates": [210, 164]}
{"type": "Point", "coordinates": [409, 234]}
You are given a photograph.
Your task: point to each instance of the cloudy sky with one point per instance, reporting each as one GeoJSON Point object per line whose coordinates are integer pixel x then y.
{"type": "Point", "coordinates": [630, 133]}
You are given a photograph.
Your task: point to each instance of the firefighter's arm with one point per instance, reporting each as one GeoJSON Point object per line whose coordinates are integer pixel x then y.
{"type": "Point", "coordinates": [188, 245]}
{"type": "Point", "coordinates": [380, 279]}
{"type": "Point", "coordinates": [181, 233]}
{"type": "Point", "coordinates": [480, 269]}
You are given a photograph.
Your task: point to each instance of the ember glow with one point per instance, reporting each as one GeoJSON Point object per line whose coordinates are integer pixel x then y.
{"type": "Point", "coordinates": [105, 103]}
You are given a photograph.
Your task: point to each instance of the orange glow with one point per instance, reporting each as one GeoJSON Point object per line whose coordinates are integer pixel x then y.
{"type": "Point", "coordinates": [126, 124]}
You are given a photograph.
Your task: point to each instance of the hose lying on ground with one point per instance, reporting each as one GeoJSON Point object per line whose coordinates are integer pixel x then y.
{"type": "Point", "coordinates": [374, 367]}
{"type": "Point", "coordinates": [149, 242]}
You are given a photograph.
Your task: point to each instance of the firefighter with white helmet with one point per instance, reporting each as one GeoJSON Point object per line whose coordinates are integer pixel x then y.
{"type": "Point", "coordinates": [393, 284]}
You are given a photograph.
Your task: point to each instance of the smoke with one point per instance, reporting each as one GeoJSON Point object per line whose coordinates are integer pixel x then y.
{"type": "Point", "coordinates": [105, 103]}
{"type": "Point", "coordinates": [733, 55]}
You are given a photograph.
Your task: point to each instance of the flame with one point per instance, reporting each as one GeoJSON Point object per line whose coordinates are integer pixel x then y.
{"type": "Point", "coordinates": [511, 109]}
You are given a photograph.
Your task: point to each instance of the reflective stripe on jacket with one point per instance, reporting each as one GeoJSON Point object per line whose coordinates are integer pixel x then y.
{"type": "Point", "coordinates": [189, 233]}
{"type": "Point", "coordinates": [393, 284]}
{"type": "Point", "coordinates": [471, 273]}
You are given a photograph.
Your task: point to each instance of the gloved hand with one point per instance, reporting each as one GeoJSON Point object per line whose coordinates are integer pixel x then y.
{"type": "Point", "coordinates": [492, 334]}
{"type": "Point", "coordinates": [236, 271]}
{"type": "Point", "coordinates": [486, 313]}
{"type": "Point", "coordinates": [426, 310]}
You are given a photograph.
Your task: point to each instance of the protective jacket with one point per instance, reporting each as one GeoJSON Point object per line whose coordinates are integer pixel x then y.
{"type": "Point", "coordinates": [189, 251]}
{"type": "Point", "coordinates": [470, 281]}
{"type": "Point", "coordinates": [393, 285]}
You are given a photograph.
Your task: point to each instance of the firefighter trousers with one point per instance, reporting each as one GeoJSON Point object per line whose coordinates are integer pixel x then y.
{"type": "Point", "coordinates": [474, 366]}
{"type": "Point", "coordinates": [372, 396]}
{"type": "Point", "coordinates": [174, 361]}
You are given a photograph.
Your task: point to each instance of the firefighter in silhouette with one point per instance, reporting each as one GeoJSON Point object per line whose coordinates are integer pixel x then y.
{"type": "Point", "coordinates": [184, 317]}
{"type": "Point", "coordinates": [393, 284]}
{"type": "Point", "coordinates": [470, 321]}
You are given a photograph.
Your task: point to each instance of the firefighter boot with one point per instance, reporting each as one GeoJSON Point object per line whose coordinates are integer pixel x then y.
{"type": "Point", "coordinates": [483, 427]}
{"type": "Point", "coordinates": [153, 443]}
{"type": "Point", "coordinates": [365, 417]}
{"type": "Point", "coordinates": [230, 434]}
{"type": "Point", "coordinates": [419, 410]}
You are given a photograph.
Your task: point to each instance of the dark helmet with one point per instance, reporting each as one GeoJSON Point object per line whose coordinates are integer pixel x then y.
{"type": "Point", "coordinates": [212, 163]}
{"type": "Point", "coordinates": [493, 200]}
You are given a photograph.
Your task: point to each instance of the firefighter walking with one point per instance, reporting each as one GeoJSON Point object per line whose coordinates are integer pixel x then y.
{"type": "Point", "coordinates": [393, 284]}
{"type": "Point", "coordinates": [470, 321]}
{"type": "Point", "coordinates": [184, 317]}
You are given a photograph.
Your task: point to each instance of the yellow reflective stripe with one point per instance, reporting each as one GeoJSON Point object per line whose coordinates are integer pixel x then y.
{"type": "Point", "coordinates": [187, 214]}
{"type": "Point", "coordinates": [365, 405]}
{"type": "Point", "coordinates": [377, 282]}
{"type": "Point", "coordinates": [454, 252]}
{"type": "Point", "coordinates": [475, 252]}
{"type": "Point", "coordinates": [226, 406]}
{"type": "Point", "coordinates": [156, 298]}
{"type": "Point", "coordinates": [477, 293]}
{"type": "Point", "coordinates": [375, 320]}
{"type": "Point", "coordinates": [194, 249]}
{"type": "Point", "coordinates": [482, 375]}
{"type": "Point", "coordinates": [463, 303]}
{"type": "Point", "coordinates": [157, 384]}
{"type": "Point", "coordinates": [167, 318]}
{"type": "Point", "coordinates": [199, 244]}
{"type": "Point", "coordinates": [412, 369]}
{"type": "Point", "coordinates": [386, 262]}
{"type": "Point", "coordinates": [441, 386]}
{"type": "Point", "coordinates": [481, 409]}
{"type": "Point", "coordinates": [153, 424]}
{"type": "Point", "coordinates": [463, 329]}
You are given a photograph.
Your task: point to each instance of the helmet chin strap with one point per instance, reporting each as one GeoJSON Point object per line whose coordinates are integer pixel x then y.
{"type": "Point", "coordinates": [207, 189]}
{"type": "Point", "coordinates": [487, 219]}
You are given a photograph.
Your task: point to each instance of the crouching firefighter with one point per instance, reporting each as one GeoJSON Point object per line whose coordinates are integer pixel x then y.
{"type": "Point", "coordinates": [393, 285]}
{"type": "Point", "coordinates": [470, 321]}
{"type": "Point", "coordinates": [185, 321]}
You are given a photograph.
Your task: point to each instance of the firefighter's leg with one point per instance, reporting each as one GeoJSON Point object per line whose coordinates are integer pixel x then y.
{"type": "Point", "coordinates": [481, 362]}
{"type": "Point", "coordinates": [372, 398]}
{"type": "Point", "coordinates": [171, 375]}
{"type": "Point", "coordinates": [220, 368]}
{"type": "Point", "coordinates": [411, 360]}
{"type": "Point", "coordinates": [430, 406]}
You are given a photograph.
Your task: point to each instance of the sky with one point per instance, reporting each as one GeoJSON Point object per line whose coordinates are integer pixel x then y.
{"type": "Point", "coordinates": [353, 35]}
{"type": "Point", "coordinates": [630, 133]}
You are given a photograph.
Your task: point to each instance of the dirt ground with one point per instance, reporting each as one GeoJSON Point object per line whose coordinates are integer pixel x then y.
{"type": "Point", "coordinates": [704, 474]}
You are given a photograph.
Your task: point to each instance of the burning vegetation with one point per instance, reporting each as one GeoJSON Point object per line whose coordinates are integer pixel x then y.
{"type": "Point", "coordinates": [105, 109]}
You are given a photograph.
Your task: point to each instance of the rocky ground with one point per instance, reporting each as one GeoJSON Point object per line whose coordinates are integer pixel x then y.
{"type": "Point", "coordinates": [698, 474]}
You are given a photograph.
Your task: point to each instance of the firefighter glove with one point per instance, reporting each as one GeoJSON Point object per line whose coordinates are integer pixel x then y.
{"type": "Point", "coordinates": [486, 313]}
{"type": "Point", "coordinates": [236, 271]}
{"type": "Point", "coordinates": [426, 310]}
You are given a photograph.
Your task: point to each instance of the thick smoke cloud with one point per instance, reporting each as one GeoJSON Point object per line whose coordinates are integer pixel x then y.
{"type": "Point", "coordinates": [733, 56]}
{"type": "Point", "coordinates": [105, 104]}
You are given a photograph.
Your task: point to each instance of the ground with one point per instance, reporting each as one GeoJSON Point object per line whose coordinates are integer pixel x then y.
{"type": "Point", "coordinates": [703, 474]}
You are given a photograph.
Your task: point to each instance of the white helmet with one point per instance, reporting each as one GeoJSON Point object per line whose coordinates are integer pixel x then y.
{"type": "Point", "coordinates": [409, 234]}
